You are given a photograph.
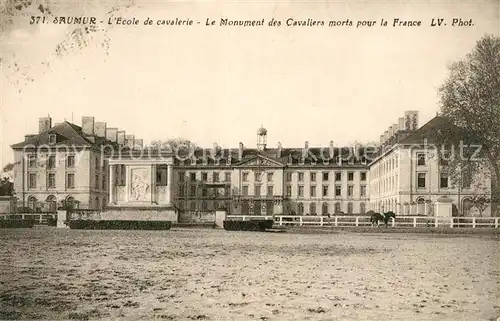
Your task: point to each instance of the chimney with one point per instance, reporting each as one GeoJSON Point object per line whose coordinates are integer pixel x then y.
{"type": "Point", "coordinates": [56, 124]}
{"type": "Point", "coordinates": [305, 149]}
{"type": "Point", "coordinates": [386, 136]}
{"type": "Point", "coordinates": [395, 128]}
{"type": "Point", "coordinates": [240, 152]}
{"type": "Point", "coordinates": [88, 125]}
{"type": "Point", "coordinates": [391, 132]}
{"type": "Point", "coordinates": [120, 137]}
{"type": "Point", "coordinates": [332, 150]}
{"type": "Point", "coordinates": [138, 143]}
{"type": "Point", "coordinates": [382, 139]}
{"type": "Point", "coordinates": [278, 151]}
{"type": "Point", "coordinates": [112, 134]}
{"type": "Point", "coordinates": [44, 124]}
{"type": "Point", "coordinates": [129, 141]}
{"type": "Point", "coordinates": [100, 129]}
{"type": "Point", "coordinates": [401, 123]}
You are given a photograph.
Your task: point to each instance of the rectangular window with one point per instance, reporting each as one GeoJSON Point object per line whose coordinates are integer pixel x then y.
{"type": "Point", "coordinates": [204, 192]}
{"type": "Point", "coordinates": [350, 176]}
{"type": "Point", "coordinates": [301, 191]}
{"type": "Point", "coordinates": [363, 176]}
{"type": "Point", "coordinates": [32, 180]}
{"type": "Point", "coordinates": [204, 177]}
{"type": "Point", "coordinates": [269, 177]}
{"type": "Point", "coordinates": [257, 176]}
{"type": "Point", "coordinates": [70, 180]}
{"type": "Point", "coordinates": [96, 163]}
{"type": "Point", "coordinates": [245, 177]}
{"type": "Point", "coordinates": [362, 191]}
{"type": "Point", "coordinates": [245, 190]}
{"type": "Point", "coordinates": [325, 190]}
{"type": "Point", "coordinates": [338, 176]}
{"type": "Point", "coordinates": [227, 177]}
{"type": "Point", "coordinates": [51, 162]}
{"type": "Point", "coordinates": [421, 159]}
{"type": "Point", "coordinates": [32, 161]}
{"type": "Point", "coordinates": [288, 191]}
{"type": "Point", "coordinates": [301, 177]}
{"type": "Point", "coordinates": [350, 190]}
{"type": "Point", "coordinates": [192, 191]}
{"type": "Point", "coordinates": [443, 180]}
{"type": "Point", "coordinates": [192, 176]}
{"type": "Point", "coordinates": [192, 206]}
{"type": "Point", "coordinates": [181, 176]}
{"type": "Point", "coordinates": [466, 178]}
{"type": "Point", "coordinates": [270, 191]}
{"type": "Point", "coordinates": [51, 180]}
{"type": "Point", "coordinates": [313, 177]}
{"type": "Point", "coordinates": [313, 191]}
{"type": "Point", "coordinates": [288, 177]}
{"type": "Point", "coordinates": [257, 190]}
{"type": "Point", "coordinates": [97, 181]}
{"type": "Point", "coordinates": [70, 161]}
{"type": "Point", "coordinates": [104, 181]}
{"type": "Point", "coordinates": [216, 177]}
{"type": "Point", "coordinates": [421, 180]}
{"type": "Point", "coordinates": [338, 190]}
{"type": "Point", "coordinates": [325, 176]}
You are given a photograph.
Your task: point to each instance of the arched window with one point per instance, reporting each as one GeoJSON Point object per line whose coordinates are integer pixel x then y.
{"type": "Point", "coordinates": [324, 209]}
{"type": "Point", "coordinates": [300, 209]}
{"type": "Point", "coordinates": [244, 208]}
{"type": "Point", "coordinates": [69, 202]}
{"type": "Point", "coordinates": [362, 208]}
{"type": "Point", "coordinates": [52, 203]}
{"type": "Point", "coordinates": [337, 208]}
{"type": "Point", "coordinates": [312, 208]}
{"type": "Point", "coordinates": [32, 202]}
{"type": "Point", "coordinates": [420, 206]}
{"type": "Point", "coordinates": [466, 207]}
{"type": "Point", "coordinates": [349, 208]}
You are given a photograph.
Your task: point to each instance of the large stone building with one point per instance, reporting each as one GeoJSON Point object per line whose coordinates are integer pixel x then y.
{"type": "Point", "coordinates": [97, 167]}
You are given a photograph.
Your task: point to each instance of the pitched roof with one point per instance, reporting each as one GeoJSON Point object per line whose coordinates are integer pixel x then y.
{"type": "Point", "coordinates": [433, 131]}
{"type": "Point", "coordinates": [66, 134]}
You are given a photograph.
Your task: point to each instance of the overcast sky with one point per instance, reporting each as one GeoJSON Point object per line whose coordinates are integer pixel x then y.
{"type": "Point", "coordinates": [220, 84]}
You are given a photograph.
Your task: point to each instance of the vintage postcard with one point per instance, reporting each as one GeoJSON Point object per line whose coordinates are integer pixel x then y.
{"type": "Point", "coordinates": [249, 160]}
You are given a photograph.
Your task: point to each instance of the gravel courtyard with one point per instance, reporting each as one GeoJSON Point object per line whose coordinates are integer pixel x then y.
{"type": "Point", "coordinates": [203, 274]}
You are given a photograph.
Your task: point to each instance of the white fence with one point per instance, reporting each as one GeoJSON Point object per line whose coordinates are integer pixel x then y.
{"type": "Point", "coordinates": [347, 221]}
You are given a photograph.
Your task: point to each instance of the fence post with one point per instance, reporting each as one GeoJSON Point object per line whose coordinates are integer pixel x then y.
{"type": "Point", "coordinates": [357, 221]}
{"type": "Point", "coordinates": [281, 220]}
{"type": "Point", "coordinates": [336, 221]}
{"type": "Point", "coordinates": [321, 221]}
{"type": "Point", "coordinates": [451, 224]}
{"type": "Point", "coordinates": [473, 222]}
{"type": "Point", "coordinates": [496, 222]}
{"type": "Point", "coordinates": [300, 221]}
{"type": "Point", "coordinates": [393, 222]}
{"type": "Point", "coordinates": [414, 222]}
{"type": "Point", "coordinates": [435, 222]}
{"type": "Point", "coordinates": [243, 218]}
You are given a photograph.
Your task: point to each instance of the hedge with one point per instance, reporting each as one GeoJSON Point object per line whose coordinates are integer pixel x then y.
{"type": "Point", "coordinates": [17, 223]}
{"type": "Point", "coordinates": [254, 225]}
{"type": "Point", "coordinates": [119, 225]}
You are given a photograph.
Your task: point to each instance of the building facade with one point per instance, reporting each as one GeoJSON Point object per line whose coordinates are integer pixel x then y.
{"type": "Point", "coordinates": [92, 166]}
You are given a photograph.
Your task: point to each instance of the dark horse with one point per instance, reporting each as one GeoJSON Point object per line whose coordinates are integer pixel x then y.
{"type": "Point", "coordinates": [377, 217]}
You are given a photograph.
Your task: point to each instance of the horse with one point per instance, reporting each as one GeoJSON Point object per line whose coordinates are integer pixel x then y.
{"type": "Point", "coordinates": [377, 217]}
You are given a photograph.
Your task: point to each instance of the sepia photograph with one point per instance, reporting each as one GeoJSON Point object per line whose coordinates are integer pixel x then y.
{"type": "Point", "coordinates": [253, 160]}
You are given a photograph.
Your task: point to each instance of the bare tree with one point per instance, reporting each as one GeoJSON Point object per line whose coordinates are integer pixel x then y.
{"type": "Point", "coordinates": [470, 99]}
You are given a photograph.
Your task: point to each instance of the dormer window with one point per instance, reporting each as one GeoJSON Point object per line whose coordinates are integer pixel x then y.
{"type": "Point", "coordinates": [52, 139]}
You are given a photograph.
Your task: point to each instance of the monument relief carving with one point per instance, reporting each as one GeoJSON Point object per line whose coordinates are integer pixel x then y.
{"type": "Point", "coordinates": [140, 184]}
